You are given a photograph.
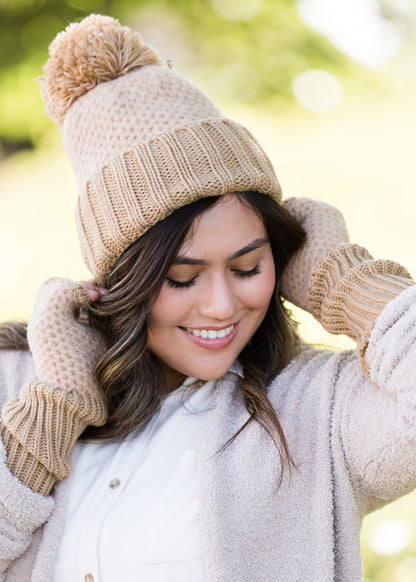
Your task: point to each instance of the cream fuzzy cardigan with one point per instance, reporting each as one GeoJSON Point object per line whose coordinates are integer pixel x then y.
{"type": "Point", "coordinates": [353, 442]}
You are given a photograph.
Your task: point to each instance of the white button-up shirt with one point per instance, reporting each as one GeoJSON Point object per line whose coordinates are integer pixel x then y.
{"type": "Point", "coordinates": [133, 511]}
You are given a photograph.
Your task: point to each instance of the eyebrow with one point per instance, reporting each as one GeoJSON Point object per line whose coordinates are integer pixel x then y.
{"type": "Point", "coordinates": [255, 244]}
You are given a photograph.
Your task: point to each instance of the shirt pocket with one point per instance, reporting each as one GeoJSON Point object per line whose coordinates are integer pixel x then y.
{"type": "Point", "coordinates": [174, 533]}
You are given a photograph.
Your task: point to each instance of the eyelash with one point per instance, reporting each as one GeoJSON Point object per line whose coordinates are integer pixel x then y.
{"type": "Point", "coordinates": [188, 284]}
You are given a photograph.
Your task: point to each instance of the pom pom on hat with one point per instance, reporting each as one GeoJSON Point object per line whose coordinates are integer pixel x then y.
{"type": "Point", "coordinates": [85, 54]}
{"type": "Point", "coordinates": [143, 140]}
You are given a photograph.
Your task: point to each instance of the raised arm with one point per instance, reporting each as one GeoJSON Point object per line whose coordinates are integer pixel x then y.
{"type": "Point", "coordinates": [374, 303]}
{"type": "Point", "coordinates": [340, 283]}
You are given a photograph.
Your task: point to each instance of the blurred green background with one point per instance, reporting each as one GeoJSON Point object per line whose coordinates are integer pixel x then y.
{"type": "Point", "coordinates": [327, 86]}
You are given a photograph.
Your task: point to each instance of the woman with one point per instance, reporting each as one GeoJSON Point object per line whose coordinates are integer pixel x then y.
{"type": "Point", "coordinates": [212, 445]}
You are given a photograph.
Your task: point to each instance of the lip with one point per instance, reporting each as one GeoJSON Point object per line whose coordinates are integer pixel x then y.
{"type": "Point", "coordinates": [212, 344]}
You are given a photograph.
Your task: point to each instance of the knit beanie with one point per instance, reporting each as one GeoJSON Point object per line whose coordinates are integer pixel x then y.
{"type": "Point", "coordinates": [142, 139]}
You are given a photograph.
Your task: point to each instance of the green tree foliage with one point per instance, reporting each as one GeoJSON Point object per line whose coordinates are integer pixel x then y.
{"type": "Point", "coordinates": [245, 49]}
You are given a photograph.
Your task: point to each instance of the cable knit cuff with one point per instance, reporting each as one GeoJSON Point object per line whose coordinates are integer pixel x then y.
{"type": "Point", "coordinates": [40, 428]}
{"type": "Point", "coordinates": [349, 289]}
{"type": "Point", "coordinates": [24, 466]}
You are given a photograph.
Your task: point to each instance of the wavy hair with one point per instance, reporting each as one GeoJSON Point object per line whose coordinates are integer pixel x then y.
{"type": "Point", "coordinates": [132, 377]}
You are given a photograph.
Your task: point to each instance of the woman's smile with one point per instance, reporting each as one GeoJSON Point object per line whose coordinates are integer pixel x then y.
{"type": "Point", "coordinates": [211, 333]}
{"type": "Point", "coordinates": [216, 294]}
{"type": "Point", "coordinates": [210, 338]}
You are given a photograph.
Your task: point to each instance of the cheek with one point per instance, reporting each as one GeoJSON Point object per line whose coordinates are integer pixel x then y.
{"type": "Point", "coordinates": [168, 308]}
{"type": "Point", "coordinates": [261, 291]}
{"type": "Point", "coordinates": [269, 282]}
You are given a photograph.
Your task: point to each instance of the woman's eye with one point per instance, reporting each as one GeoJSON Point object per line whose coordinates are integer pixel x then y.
{"type": "Point", "coordinates": [180, 284]}
{"type": "Point", "coordinates": [247, 274]}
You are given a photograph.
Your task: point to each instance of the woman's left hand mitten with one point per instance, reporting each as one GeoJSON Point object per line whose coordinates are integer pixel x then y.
{"type": "Point", "coordinates": [325, 230]}
{"type": "Point", "coordinates": [339, 283]}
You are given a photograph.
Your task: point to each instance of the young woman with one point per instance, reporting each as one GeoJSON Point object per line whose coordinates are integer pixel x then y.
{"type": "Point", "coordinates": [168, 423]}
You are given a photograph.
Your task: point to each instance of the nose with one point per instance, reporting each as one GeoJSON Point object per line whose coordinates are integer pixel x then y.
{"type": "Point", "coordinates": [218, 300]}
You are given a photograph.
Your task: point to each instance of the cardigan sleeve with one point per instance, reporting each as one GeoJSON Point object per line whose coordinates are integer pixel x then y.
{"type": "Point", "coordinates": [21, 510]}
{"type": "Point", "coordinates": [378, 417]}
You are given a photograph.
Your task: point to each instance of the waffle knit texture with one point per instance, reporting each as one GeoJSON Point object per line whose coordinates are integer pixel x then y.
{"type": "Point", "coordinates": [348, 292]}
{"type": "Point", "coordinates": [341, 284]}
{"type": "Point", "coordinates": [40, 427]}
{"type": "Point", "coordinates": [325, 229]}
{"type": "Point", "coordinates": [353, 442]}
{"type": "Point", "coordinates": [142, 139]}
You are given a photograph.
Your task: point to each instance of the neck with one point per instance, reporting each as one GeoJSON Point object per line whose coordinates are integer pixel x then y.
{"type": "Point", "coordinates": [175, 378]}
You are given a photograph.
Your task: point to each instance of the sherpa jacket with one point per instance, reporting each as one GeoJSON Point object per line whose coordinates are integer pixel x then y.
{"type": "Point", "coordinates": [353, 442]}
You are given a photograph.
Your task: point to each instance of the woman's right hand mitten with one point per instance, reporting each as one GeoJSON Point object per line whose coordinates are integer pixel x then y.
{"type": "Point", "coordinates": [40, 427]}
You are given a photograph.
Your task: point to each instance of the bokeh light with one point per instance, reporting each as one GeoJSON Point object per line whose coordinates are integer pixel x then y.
{"type": "Point", "coordinates": [333, 130]}
{"type": "Point", "coordinates": [391, 537]}
{"type": "Point", "coordinates": [317, 90]}
{"type": "Point", "coordinates": [356, 27]}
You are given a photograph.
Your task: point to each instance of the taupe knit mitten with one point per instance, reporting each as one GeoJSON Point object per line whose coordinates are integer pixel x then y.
{"type": "Point", "coordinates": [325, 229]}
{"type": "Point", "coordinates": [339, 283]}
{"type": "Point", "coordinates": [40, 427]}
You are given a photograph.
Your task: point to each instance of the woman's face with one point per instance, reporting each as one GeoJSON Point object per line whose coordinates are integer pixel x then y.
{"type": "Point", "coordinates": [216, 294]}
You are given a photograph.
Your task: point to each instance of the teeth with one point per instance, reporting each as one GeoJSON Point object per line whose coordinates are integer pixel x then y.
{"type": "Point", "coordinates": [210, 333]}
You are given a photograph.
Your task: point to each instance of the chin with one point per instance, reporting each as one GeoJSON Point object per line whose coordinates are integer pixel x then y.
{"type": "Point", "coordinates": [211, 374]}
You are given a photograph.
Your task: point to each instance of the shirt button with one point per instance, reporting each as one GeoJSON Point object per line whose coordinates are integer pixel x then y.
{"type": "Point", "coordinates": [89, 578]}
{"type": "Point", "coordinates": [113, 485]}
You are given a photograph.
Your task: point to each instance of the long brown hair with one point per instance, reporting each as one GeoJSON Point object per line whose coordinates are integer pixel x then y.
{"type": "Point", "coordinates": [13, 336]}
{"type": "Point", "coordinates": [132, 378]}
